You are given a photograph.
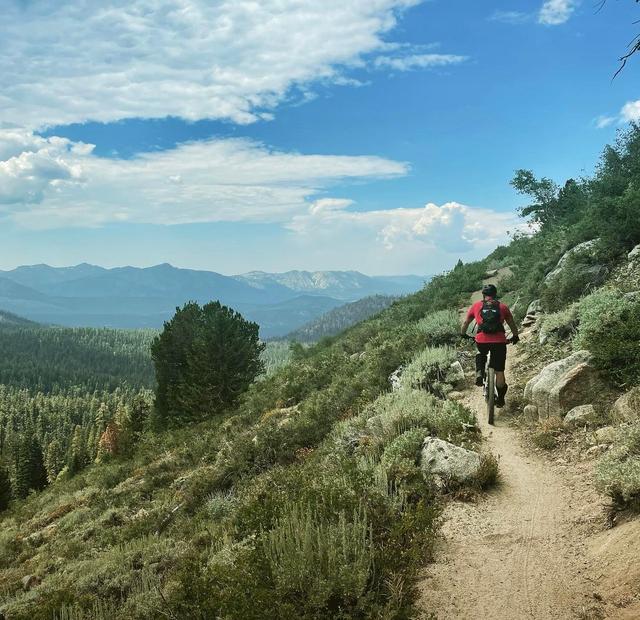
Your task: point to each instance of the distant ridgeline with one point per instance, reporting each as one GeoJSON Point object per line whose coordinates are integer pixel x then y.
{"type": "Point", "coordinates": [131, 297]}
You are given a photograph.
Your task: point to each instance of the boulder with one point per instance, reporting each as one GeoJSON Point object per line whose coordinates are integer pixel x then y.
{"type": "Point", "coordinates": [529, 320]}
{"type": "Point", "coordinates": [395, 378]}
{"type": "Point", "coordinates": [455, 375]}
{"type": "Point", "coordinates": [535, 307]}
{"type": "Point", "coordinates": [530, 411]}
{"type": "Point", "coordinates": [594, 272]}
{"type": "Point", "coordinates": [30, 581]}
{"type": "Point", "coordinates": [605, 435]}
{"type": "Point", "coordinates": [627, 407]}
{"type": "Point", "coordinates": [634, 255]}
{"type": "Point", "coordinates": [562, 385]}
{"type": "Point", "coordinates": [448, 462]}
{"type": "Point", "coordinates": [491, 273]}
{"type": "Point", "coordinates": [581, 415]}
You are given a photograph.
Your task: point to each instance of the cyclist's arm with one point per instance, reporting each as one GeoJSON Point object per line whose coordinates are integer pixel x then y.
{"type": "Point", "coordinates": [467, 321]}
{"type": "Point", "coordinates": [512, 326]}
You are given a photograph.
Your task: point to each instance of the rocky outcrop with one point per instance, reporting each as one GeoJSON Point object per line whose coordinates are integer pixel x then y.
{"type": "Point", "coordinates": [446, 462]}
{"type": "Point", "coordinates": [563, 385]}
{"type": "Point", "coordinates": [594, 273]}
{"type": "Point", "coordinates": [634, 255]}
{"type": "Point", "coordinates": [534, 310]}
{"type": "Point", "coordinates": [627, 407]}
{"type": "Point", "coordinates": [581, 415]}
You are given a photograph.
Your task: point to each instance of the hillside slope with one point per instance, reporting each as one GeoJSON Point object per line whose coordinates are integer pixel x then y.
{"type": "Point", "coordinates": [340, 318]}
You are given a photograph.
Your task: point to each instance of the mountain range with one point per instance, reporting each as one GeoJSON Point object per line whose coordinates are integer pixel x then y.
{"type": "Point", "coordinates": [132, 297]}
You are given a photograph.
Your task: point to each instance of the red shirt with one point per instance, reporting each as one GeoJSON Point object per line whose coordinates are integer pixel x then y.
{"type": "Point", "coordinates": [498, 337]}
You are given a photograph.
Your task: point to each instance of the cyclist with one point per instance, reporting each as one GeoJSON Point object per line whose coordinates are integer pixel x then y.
{"type": "Point", "coordinates": [490, 316]}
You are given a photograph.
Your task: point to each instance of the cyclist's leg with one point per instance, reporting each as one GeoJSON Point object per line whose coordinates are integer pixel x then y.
{"type": "Point", "coordinates": [481, 362]}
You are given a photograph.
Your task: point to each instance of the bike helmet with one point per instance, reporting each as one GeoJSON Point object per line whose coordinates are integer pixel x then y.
{"type": "Point", "coordinates": [489, 290]}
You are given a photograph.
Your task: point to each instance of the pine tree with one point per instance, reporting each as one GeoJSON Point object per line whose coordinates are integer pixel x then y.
{"type": "Point", "coordinates": [5, 488]}
{"type": "Point", "coordinates": [31, 473]}
{"type": "Point", "coordinates": [204, 359]}
{"type": "Point", "coordinates": [54, 460]}
{"type": "Point", "coordinates": [77, 458]}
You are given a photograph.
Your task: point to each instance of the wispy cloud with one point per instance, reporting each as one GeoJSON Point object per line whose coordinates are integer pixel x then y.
{"type": "Point", "coordinates": [53, 182]}
{"type": "Point", "coordinates": [510, 17]}
{"type": "Point", "coordinates": [105, 60]}
{"type": "Point", "coordinates": [556, 12]}
{"type": "Point", "coordinates": [629, 112]}
{"type": "Point", "coordinates": [418, 61]}
{"type": "Point", "coordinates": [604, 121]}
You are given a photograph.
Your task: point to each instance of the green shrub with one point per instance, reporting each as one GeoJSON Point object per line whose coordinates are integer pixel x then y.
{"type": "Point", "coordinates": [547, 433]}
{"type": "Point", "coordinates": [315, 560]}
{"type": "Point", "coordinates": [561, 325]}
{"type": "Point", "coordinates": [430, 369]}
{"type": "Point", "coordinates": [610, 329]}
{"type": "Point", "coordinates": [440, 328]}
{"type": "Point", "coordinates": [618, 472]}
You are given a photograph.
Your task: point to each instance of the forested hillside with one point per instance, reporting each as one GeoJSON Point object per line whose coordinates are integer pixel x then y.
{"type": "Point", "coordinates": [56, 358]}
{"type": "Point", "coordinates": [338, 319]}
{"type": "Point", "coordinates": [308, 497]}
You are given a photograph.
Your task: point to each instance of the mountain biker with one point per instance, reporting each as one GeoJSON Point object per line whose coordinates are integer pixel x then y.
{"type": "Point", "coordinates": [490, 316]}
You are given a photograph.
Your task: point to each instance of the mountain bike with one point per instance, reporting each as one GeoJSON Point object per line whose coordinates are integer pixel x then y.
{"type": "Point", "coordinates": [489, 389]}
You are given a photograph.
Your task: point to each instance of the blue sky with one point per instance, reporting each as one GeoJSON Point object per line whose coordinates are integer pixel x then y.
{"type": "Point", "coordinates": [377, 135]}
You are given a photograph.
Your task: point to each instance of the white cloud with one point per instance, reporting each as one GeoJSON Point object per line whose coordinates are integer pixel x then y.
{"type": "Point", "coordinates": [510, 17]}
{"type": "Point", "coordinates": [604, 121]}
{"type": "Point", "coordinates": [630, 111]}
{"type": "Point", "coordinates": [452, 228]}
{"type": "Point", "coordinates": [105, 60]}
{"type": "Point", "coordinates": [31, 166]}
{"type": "Point", "coordinates": [555, 12]}
{"type": "Point", "coordinates": [54, 182]}
{"type": "Point", "coordinates": [418, 61]}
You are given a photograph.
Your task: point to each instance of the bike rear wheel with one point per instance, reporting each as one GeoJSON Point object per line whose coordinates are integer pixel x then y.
{"type": "Point", "coordinates": [491, 394]}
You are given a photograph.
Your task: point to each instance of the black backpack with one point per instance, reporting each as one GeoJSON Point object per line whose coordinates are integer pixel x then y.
{"type": "Point", "coordinates": [490, 314]}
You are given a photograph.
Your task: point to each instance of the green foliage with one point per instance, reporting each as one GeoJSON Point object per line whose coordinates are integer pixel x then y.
{"type": "Point", "coordinates": [204, 359]}
{"type": "Point", "coordinates": [54, 359]}
{"type": "Point", "coordinates": [430, 370]}
{"type": "Point", "coordinates": [339, 319]}
{"type": "Point", "coordinates": [561, 325]}
{"type": "Point", "coordinates": [5, 489]}
{"type": "Point", "coordinates": [276, 354]}
{"type": "Point", "coordinates": [610, 328]}
{"type": "Point", "coordinates": [440, 328]}
{"type": "Point", "coordinates": [317, 561]}
{"type": "Point", "coordinates": [618, 472]}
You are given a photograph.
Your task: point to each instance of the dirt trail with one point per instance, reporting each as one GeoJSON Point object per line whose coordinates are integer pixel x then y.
{"type": "Point", "coordinates": [520, 552]}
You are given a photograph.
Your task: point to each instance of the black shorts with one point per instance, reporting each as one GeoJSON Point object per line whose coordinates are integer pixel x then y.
{"type": "Point", "coordinates": [498, 351]}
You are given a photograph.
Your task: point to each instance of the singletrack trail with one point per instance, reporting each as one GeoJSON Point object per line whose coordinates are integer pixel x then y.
{"type": "Point", "coordinates": [519, 552]}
